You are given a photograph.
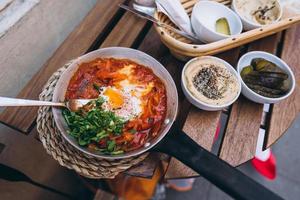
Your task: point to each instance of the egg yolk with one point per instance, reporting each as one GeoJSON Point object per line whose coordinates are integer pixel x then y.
{"type": "Point", "coordinates": [115, 98]}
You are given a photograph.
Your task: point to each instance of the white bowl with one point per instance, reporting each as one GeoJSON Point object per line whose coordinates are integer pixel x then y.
{"type": "Point", "coordinates": [204, 17]}
{"type": "Point", "coordinates": [249, 24]}
{"type": "Point", "coordinates": [245, 61]}
{"type": "Point", "coordinates": [200, 104]}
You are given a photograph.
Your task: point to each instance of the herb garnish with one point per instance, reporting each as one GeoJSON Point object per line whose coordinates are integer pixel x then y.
{"type": "Point", "coordinates": [96, 87]}
{"type": "Point", "coordinates": [94, 124]}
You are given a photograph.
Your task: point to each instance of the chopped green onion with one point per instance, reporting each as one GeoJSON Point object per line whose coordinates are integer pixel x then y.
{"type": "Point", "coordinates": [133, 131]}
{"type": "Point", "coordinates": [93, 125]}
{"type": "Point", "coordinates": [96, 87]}
{"type": "Point", "coordinates": [111, 145]}
{"type": "Point", "coordinates": [117, 152]}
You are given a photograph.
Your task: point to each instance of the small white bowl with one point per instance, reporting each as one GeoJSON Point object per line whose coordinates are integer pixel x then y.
{"type": "Point", "coordinates": [245, 61]}
{"type": "Point", "coordinates": [204, 17]}
{"type": "Point", "coordinates": [200, 104]}
{"type": "Point", "coordinates": [249, 24]}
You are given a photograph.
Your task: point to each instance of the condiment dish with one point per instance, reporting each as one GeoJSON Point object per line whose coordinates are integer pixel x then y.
{"type": "Point", "coordinates": [245, 61]}
{"type": "Point", "coordinates": [249, 24]}
{"type": "Point", "coordinates": [196, 101]}
{"type": "Point", "coordinates": [204, 17]}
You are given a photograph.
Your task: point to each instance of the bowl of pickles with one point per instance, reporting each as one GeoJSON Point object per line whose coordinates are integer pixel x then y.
{"type": "Point", "coordinates": [265, 78]}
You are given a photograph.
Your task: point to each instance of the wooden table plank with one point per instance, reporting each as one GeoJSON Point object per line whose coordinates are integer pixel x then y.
{"type": "Point", "coordinates": [285, 112]}
{"type": "Point", "coordinates": [125, 32]}
{"type": "Point", "coordinates": [240, 139]}
{"type": "Point", "coordinates": [25, 154]}
{"type": "Point", "coordinates": [77, 43]}
{"type": "Point", "coordinates": [196, 126]}
{"type": "Point", "coordinates": [174, 67]}
{"type": "Point", "coordinates": [200, 126]}
{"type": "Point", "coordinates": [153, 46]}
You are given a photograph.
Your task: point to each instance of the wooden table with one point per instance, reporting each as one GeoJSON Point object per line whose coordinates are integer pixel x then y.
{"type": "Point", "coordinates": [107, 25]}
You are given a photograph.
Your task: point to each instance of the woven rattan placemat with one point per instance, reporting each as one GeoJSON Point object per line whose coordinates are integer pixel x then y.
{"type": "Point", "coordinates": [67, 155]}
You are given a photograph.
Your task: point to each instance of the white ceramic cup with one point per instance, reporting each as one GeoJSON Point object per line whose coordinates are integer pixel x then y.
{"type": "Point", "coordinates": [204, 17]}
{"type": "Point", "coordinates": [245, 61]}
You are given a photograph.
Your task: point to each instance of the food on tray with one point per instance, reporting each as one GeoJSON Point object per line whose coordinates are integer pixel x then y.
{"type": "Point", "coordinates": [129, 109]}
{"type": "Point", "coordinates": [259, 11]}
{"type": "Point", "coordinates": [265, 78]}
{"type": "Point", "coordinates": [222, 26]}
{"type": "Point", "coordinates": [211, 82]}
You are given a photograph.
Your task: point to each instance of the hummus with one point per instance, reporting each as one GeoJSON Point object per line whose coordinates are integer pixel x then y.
{"type": "Point", "coordinates": [209, 81]}
{"type": "Point", "coordinates": [259, 11]}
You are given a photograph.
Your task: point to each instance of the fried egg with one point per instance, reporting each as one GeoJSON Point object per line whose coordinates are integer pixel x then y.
{"type": "Point", "coordinates": [122, 102]}
{"type": "Point", "coordinates": [125, 98]}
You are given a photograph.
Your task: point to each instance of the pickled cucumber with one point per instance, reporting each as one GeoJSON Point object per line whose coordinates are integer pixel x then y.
{"type": "Point", "coordinates": [246, 70]}
{"type": "Point", "coordinates": [222, 26]}
{"type": "Point", "coordinates": [263, 65]}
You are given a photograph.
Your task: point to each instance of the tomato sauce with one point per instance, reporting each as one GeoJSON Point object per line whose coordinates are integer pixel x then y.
{"type": "Point", "coordinates": [104, 72]}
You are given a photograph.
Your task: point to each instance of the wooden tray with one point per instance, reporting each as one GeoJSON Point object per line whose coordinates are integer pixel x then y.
{"type": "Point", "coordinates": [183, 49]}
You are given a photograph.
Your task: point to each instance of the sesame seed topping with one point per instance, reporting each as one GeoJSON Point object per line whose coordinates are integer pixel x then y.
{"type": "Point", "coordinates": [212, 81]}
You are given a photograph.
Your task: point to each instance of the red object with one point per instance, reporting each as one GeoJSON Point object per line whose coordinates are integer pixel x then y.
{"type": "Point", "coordinates": [217, 132]}
{"type": "Point", "coordinates": [266, 168]}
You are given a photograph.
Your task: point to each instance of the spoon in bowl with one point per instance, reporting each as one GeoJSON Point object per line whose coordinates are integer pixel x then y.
{"type": "Point", "coordinates": [73, 104]}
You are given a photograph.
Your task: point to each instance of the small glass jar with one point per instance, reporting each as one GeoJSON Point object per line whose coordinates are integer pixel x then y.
{"type": "Point", "coordinates": [146, 6]}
